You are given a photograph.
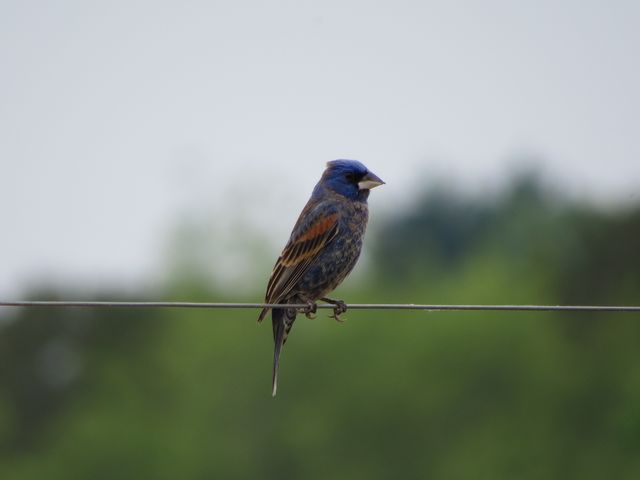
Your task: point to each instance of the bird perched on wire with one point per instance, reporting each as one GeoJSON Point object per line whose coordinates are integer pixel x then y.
{"type": "Point", "coordinates": [323, 248]}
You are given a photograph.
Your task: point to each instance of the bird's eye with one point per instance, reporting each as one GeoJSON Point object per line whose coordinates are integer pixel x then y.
{"type": "Point", "coordinates": [351, 177]}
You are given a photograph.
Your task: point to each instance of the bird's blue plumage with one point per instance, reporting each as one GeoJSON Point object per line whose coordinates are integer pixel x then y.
{"type": "Point", "coordinates": [339, 178]}
{"type": "Point", "coordinates": [324, 245]}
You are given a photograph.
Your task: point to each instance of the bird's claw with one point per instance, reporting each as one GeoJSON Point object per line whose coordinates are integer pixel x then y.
{"type": "Point", "coordinates": [337, 311]}
{"type": "Point", "coordinates": [339, 308]}
{"type": "Point", "coordinates": [310, 310]}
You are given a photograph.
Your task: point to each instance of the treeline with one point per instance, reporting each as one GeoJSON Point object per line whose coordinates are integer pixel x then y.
{"type": "Point", "coordinates": [185, 394]}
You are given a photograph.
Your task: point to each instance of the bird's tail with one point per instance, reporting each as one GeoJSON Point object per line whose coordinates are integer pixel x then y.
{"type": "Point", "coordinates": [282, 319]}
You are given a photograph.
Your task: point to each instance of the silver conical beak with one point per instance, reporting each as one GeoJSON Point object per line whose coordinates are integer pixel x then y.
{"type": "Point", "coordinates": [369, 181]}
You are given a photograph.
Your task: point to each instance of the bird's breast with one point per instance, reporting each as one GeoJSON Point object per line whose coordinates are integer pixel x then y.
{"type": "Point", "coordinates": [335, 262]}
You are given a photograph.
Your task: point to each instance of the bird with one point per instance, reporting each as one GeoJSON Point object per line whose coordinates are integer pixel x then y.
{"type": "Point", "coordinates": [323, 248]}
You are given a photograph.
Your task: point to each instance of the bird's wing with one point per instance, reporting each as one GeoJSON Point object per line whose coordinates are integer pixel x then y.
{"type": "Point", "coordinates": [313, 232]}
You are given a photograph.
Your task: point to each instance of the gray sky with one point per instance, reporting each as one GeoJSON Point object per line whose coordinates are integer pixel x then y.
{"type": "Point", "coordinates": [120, 119]}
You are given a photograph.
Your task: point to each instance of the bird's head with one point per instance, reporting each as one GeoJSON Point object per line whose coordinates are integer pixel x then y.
{"type": "Point", "coordinates": [349, 178]}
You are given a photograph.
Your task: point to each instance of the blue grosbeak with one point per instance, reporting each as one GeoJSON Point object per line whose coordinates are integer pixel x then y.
{"type": "Point", "coordinates": [323, 248]}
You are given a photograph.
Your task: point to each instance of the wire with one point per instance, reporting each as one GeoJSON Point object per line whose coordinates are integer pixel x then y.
{"type": "Point", "coordinates": [356, 306]}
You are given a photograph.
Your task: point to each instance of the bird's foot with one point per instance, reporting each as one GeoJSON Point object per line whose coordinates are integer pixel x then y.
{"type": "Point", "coordinates": [339, 308]}
{"type": "Point", "coordinates": [310, 310]}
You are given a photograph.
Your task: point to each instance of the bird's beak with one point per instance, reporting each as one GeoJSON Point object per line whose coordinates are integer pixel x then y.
{"type": "Point", "coordinates": [369, 181]}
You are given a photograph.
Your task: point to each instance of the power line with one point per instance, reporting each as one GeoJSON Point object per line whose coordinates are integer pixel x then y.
{"type": "Point", "coordinates": [355, 306]}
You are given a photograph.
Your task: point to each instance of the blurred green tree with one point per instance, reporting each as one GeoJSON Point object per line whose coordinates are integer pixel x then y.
{"type": "Point", "coordinates": [165, 394]}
